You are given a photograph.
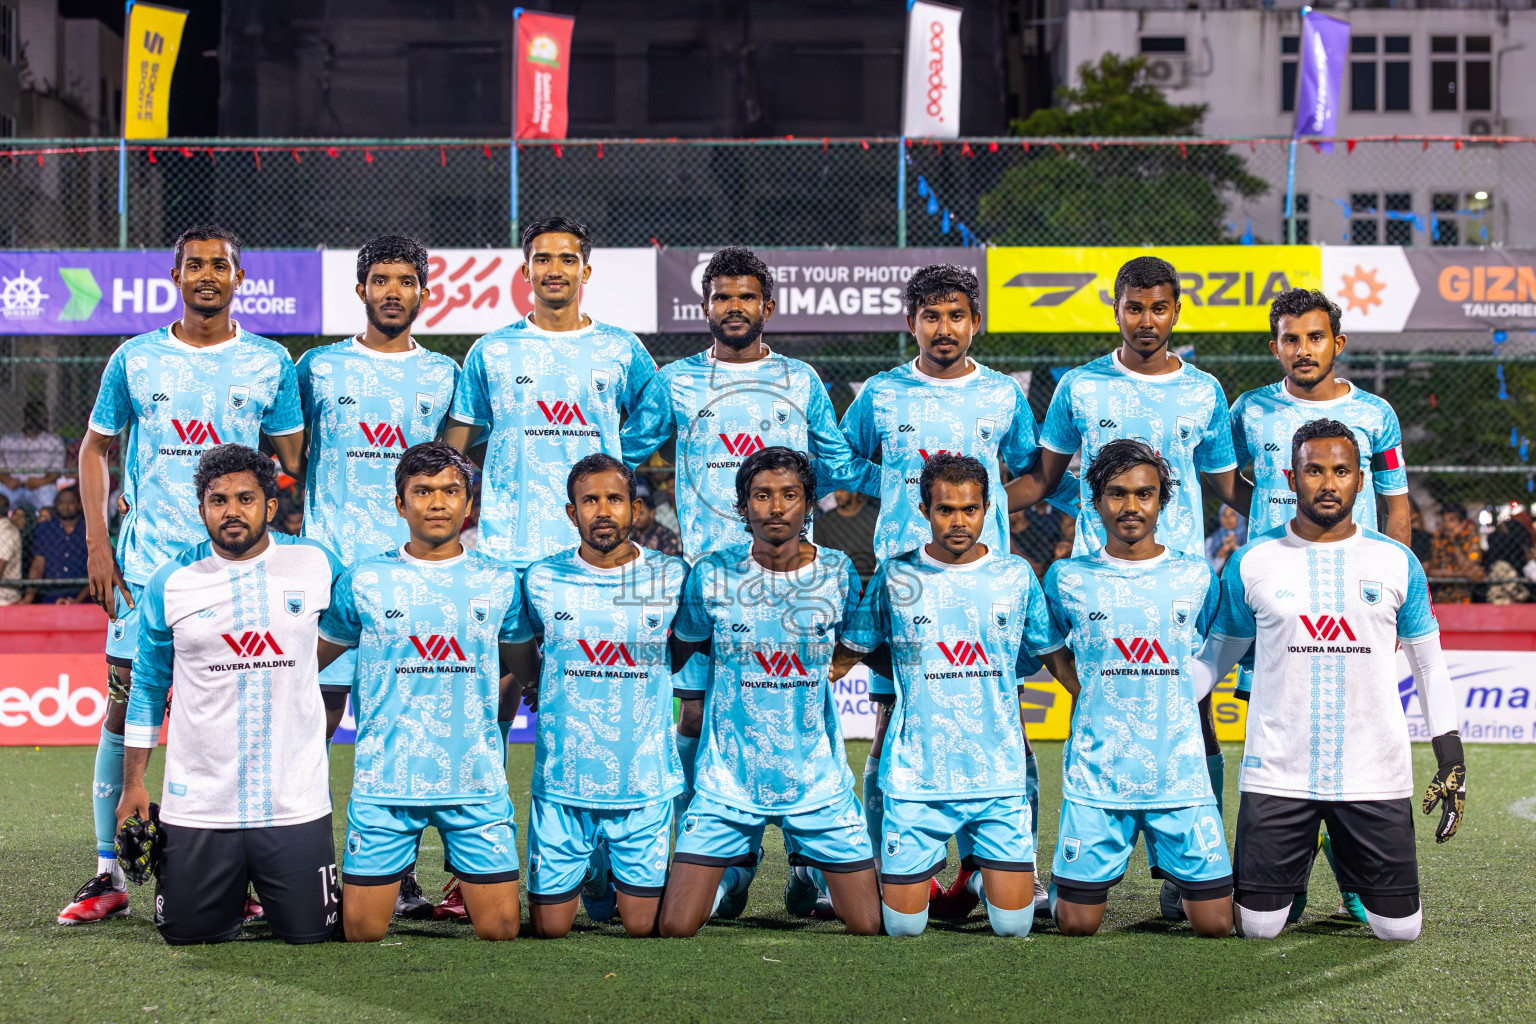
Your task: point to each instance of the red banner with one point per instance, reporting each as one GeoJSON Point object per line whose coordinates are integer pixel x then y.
{"type": "Point", "coordinates": [52, 700]}
{"type": "Point", "coordinates": [542, 51]}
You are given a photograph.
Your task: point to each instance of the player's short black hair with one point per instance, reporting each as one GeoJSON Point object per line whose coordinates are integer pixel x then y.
{"type": "Point", "coordinates": [738, 261]}
{"type": "Point", "coordinates": [1127, 453]}
{"type": "Point", "coordinates": [591, 465]}
{"type": "Point", "coordinates": [224, 459]}
{"type": "Point", "coordinates": [939, 281]}
{"type": "Point", "coordinates": [429, 459]}
{"type": "Point", "coordinates": [1300, 301]}
{"type": "Point", "coordinates": [209, 233]}
{"type": "Point", "coordinates": [557, 226]}
{"type": "Point", "coordinates": [1145, 272]}
{"type": "Point", "coordinates": [392, 249]}
{"type": "Point", "coordinates": [952, 469]}
{"type": "Point", "coordinates": [1315, 430]}
{"type": "Point", "coordinates": [775, 457]}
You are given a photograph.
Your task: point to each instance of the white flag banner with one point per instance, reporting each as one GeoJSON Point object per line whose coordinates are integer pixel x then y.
{"type": "Point", "coordinates": [931, 96]}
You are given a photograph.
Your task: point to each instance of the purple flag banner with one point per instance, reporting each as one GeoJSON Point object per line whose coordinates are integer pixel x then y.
{"type": "Point", "coordinates": [1324, 49]}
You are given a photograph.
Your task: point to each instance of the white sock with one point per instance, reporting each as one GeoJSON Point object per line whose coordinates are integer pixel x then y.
{"type": "Point", "coordinates": [1260, 924]}
{"type": "Point", "coordinates": [1401, 929]}
{"type": "Point", "coordinates": [108, 866]}
{"type": "Point", "coordinates": [974, 883]}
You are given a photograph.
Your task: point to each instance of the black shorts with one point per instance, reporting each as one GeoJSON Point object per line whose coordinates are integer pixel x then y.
{"type": "Point", "coordinates": [1373, 847]}
{"type": "Point", "coordinates": [200, 896]}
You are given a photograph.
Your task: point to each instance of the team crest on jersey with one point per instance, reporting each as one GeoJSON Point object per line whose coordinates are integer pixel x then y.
{"type": "Point", "coordinates": [600, 381]}
{"type": "Point", "coordinates": [984, 429]}
{"type": "Point", "coordinates": [1370, 591]}
{"type": "Point", "coordinates": [423, 404]}
{"type": "Point", "coordinates": [653, 614]}
{"type": "Point", "coordinates": [892, 843]}
{"type": "Point", "coordinates": [781, 413]}
{"type": "Point", "coordinates": [293, 601]}
{"type": "Point", "coordinates": [1070, 849]}
{"type": "Point", "coordinates": [1000, 614]}
{"type": "Point", "coordinates": [479, 609]}
{"type": "Point", "coordinates": [1186, 427]}
{"type": "Point", "coordinates": [690, 823]}
{"type": "Point", "coordinates": [239, 394]}
{"type": "Point", "coordinates": [1181, 611]}
{"type": "Point", "coordinates": [117, 630]}
{"type": "Point", "coordinates": [354, 841]}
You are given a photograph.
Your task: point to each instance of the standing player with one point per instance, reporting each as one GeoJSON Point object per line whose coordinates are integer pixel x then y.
{"type": "Point", "coordinates": [605, 769]}
{"type": "Point", "coordinates": [232, 623]}
{"type": "Point", "coordinates": [180, 390]}
{"type": "Point", "coordinates": [769, 613]}
{"type": "Point", "coordinates": [1324, 601]}
{"type": "Point", "coordinates": [1135, 613]}
{"type": "Point", "coordinates": [956, 617]}
{"type": "Point", "coordinates": [432, 624]}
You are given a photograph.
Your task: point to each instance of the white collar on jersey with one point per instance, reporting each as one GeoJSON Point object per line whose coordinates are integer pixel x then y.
{"type": "Point", "coordinates": [1285, 392]}
{"type": "Point", "coordinates": [986, 559]}
{"type": "Point", "coordinates": [808, 569]}
{"type": "Point", "coordinates": [241, 564]}
{"type": "Point", "coordinates": [533, 328]}
{"type": "Point", "coordinates": [1134, 563]}
{"type": "Point", "coordinates": [709, 357]}
{"type": "Point", "coordinates": [440, 563]}
{"type": "Point", "coordinates": [364, 350]}
{"type": "Point", "coordinates": [1290, 531]}
{"type": "Point", "coordinates": [948, 382]}
{"type": "Point", "coordinates": [617, 570]}
{"type": "Point", "coordinates": [170, 335]}
{"type": "Point", "coordinates": [1151, 378]}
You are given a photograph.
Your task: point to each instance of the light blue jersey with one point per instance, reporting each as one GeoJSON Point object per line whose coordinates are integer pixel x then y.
{"type": "Point", "coordinates": [547, 399]}
{"type": "Point", "coordinates": [771, 744]}
{"type": "Point", "coordinates": [907, 416]}
{"type": "Point", "coordinates": [364, 409]}
{"type": "Point", "coordinates": [1134, 628]}
{"type": "Point", "coordinates": [955, 634]}
{"type": "Point", "coordinates": [1182, 415]}
{"type": "Point", "coordinates": [723, 412]}
{"type": "Point", "coordinates": [178, 401]}
{"type": "Point", "coordinates": [605, 689]}
{"type": "Point", "coordinates": [428, 674]}
{"type": "Point", "coordinates": [1265, 419]}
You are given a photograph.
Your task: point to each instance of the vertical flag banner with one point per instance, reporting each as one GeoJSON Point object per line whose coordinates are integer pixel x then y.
{"type": "Point", "coordinates": [542, 75]}
{"type": "Point", "coordinates": [1324, 49]}
{"type": "Point", "coordinates": [152, 40]}
{"type": "Point", "coordinates": [930, 106]}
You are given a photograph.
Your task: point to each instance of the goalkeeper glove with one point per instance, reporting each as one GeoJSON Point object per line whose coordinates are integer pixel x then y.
{"type": "Point", "coordinates": [140, 845]}
{"type": "Point", "coordinates": [1449, 786]}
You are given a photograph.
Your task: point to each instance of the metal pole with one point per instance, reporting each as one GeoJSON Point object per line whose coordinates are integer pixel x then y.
{"type": "Point", "coordinates": [901, 192]}
{"type": "Point", "coordinates": [517, 14]}
{"type": "Point", "coordinates": [122, 193]}
{"type": "Point", "coordinates": [1290, 197]}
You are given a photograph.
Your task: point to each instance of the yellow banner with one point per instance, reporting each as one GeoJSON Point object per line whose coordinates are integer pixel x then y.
{"type": "Point", "coordinates": [1070, 290]}
{"type": "Point", "coordinates": [151, 42]}
{"type": "Point", "coordinates": [1048, 710]}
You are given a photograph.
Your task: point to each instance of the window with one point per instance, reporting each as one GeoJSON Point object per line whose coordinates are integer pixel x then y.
{"type": "Point", "coordinates": [9, 33]}
{"type": "Point", "coordinates": [1164, 44]}
{"type": "Point", "coordinates": [1303, 218]}
{"type": "Point", "coordinates": [1397, 75]}
{"type": "Point", "coordinates": [1362, 74]}
{"type": "Point", "coordinates": [1290, 51]}
{"type": "Point", "coordinates": [1398, 226]}
{"type": "Point", "coordinates": [1380, 219]}
{"type": "Point", "coordinates": [1364, 227]}
{"type": "Point", "coordinates": [1478, 91]}
{"type": "Point", "coordinates": [1461, 218]}
{"type": "Point", "coordinates": [1384, 85]}
{"type": "Point", "coordinates": [456, 85]}
{"type": "Point", "coordinates": [1474, 82]}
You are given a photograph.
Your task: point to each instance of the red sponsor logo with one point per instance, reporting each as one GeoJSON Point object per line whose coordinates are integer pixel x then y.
{"type": "Point", "coordinates": [561, 413]}
{"type": "Point", "coordinates": [927, 454]}
{"type": "Point", "coordinates": [741, 444]}
{"type": "Point", "coordinates": [384, 435]}
{"type": "Point", "coordinates": [606, 652]}
{"type": "Point", "coordinates": [780, 664]}
{"type": "Point", "coordinates": [252, 644]}
{"type": "Point", "coordinates": [964, 652]}
{"type": "Point", "coordinates": [196, 432]}
{"type": "Point", "coordinates": [1141, 651]}
{"type": "Point", "coordinates": [1326, 627]}
{"type": "Point", "coordinates": [438, 648]}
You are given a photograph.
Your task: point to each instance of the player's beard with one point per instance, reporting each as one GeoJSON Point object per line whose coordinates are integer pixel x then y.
{"type": "Point", "coordinates": [252, 538]}
{"type": "Point", "coordinates": [619, 536]}
{"type": "Point", "coordinates": [1327, 520]}
{"type": "Point", "coordinates": [754, 331]}
{"type": "Point", "coordinates": [387, 329]}
{"type": "Point", "coordinates": [207, 307]}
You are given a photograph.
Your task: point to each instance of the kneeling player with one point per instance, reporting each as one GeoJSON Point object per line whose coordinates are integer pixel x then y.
{"type": "Point", "coordinates": [956, 617]}
{"type": "Point", "coordinates": [606, 767]}
{"type": "Point", "coordinates": [426, 621]}
{"type": "Point", "coordinates": [769, 613]}
{"type": "Point", "coordinates": [1135, 614]}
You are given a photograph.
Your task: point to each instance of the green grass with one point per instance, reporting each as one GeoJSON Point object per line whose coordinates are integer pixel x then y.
{"type": "Point", "coordinates": [1476, 961]}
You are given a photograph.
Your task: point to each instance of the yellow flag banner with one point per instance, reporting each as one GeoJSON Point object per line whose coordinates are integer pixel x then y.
{"type": "Point", "coordinates": [1064, 290]}
{"type": "Point", "coordinates": [152, 41]}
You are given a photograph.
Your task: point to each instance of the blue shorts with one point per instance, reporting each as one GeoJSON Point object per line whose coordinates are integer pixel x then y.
{"type": "Point", "coordinates": [1093, 847]}
{"type": "Point", "coordinates": [833, 837]}
{"type": "Point", "coordinates": [338, 675]}
{"type": "Point", "coordinates": [1244, 684]}
{"type": "Point", "coordinates": [561, 841]}
{"type": "Point", "coordinates": [479, 841]}
{"type": "Point", "coordinates": [992, 832]}
{"type": "Point", "coordinates": [692, 683]}
{"type": "Point", "coordinates": [123, 631]}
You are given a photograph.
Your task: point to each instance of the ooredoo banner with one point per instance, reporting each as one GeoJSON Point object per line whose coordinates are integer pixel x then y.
{"type": "Point", "coordinates": [52, 700]}
{"type": "Point", "coordinates": [931, 87]}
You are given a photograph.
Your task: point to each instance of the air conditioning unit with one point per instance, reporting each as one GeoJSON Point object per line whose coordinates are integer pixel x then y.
{"type": "Point", "coordinates": [1481, 124]}
{"type": "Point", "coordinates": [1167, 72]}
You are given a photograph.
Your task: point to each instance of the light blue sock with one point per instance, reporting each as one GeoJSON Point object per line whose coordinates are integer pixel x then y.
{"type": "Point", "coordinates": [1032, 794]}
{"type": "Point", "coordinates": [904, 925]}
{"type": "Point", "coordinates": [504, 726]}
{"type": "Point", "coordinates": [874, 805]}
{"type": "Point", "coordinates": [975, 884]}
{"type": "Point", "coordinates": [687, 753]}
{"type": "Point", "coordinates": [1216, 766]}
{"type": "Point", "coordinates": [812, 875]}
{"type": "Point", "coordinates": [106, 789]}
{"type": "Point", "coordinates": [734, 880]}
{"type": "Point", "coordinates": [1051, 890]}
{"type": "Point", "coordinates": [1010, 923]}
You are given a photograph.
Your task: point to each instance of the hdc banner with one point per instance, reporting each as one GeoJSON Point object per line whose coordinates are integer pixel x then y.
{"type": "Point", "coordinates": [151, 41]}
{"type": "Point", "coordinates": [930, 106]}
{"type": "Point", "coordinates": [542, 51]}
{"type": "Point", "coordinates": [1324, 43]}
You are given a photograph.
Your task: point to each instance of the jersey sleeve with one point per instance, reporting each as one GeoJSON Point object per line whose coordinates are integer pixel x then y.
{"type": "Point", "coordinates": [1416, 616]}
{"type": "Point", "coordinates": [1214, 452]}
{"type": "Point", "coordinates": [514, 627]}
{"type": "Point", "coordinates": [837, 466]}
{"type": "Point", "coordinates": [1020, 444]}
{"type": "Point", "coordinates": [114, 405]}
{"type": "Point", "coordinates": [1234, 617]}
{"type": "Point", "coordinates": [1060, 433]}
{"type": "Point", "coordinates": [530, 622]}
{"type": "Point", "coordinates": [1041, 634]}
{"type": "Point", "coordinates": [471, 403]}
{"type": "Point", "coordinates": [1241, 453]}
{"type": "Point", "coordinates": [870, 625]}
{"type": "Point", "coordinates": [1068, 495]}
{"type": "Point", "coordinates": [649, 422]}
{"type": "Point", "coordinates": [152, 666]}
{"type": "Point", "coordinates": [1212, 606]}
{"type": "Point", "coordinates": [286, 413]}
{"type": "Point", "coordinates": [692, 623]}
{"type": "Point", "coordinates": [1389, 473]}
{"type": "Point", "coordinates": [340, 623]}
{"type": "Point", "coordinates": [642, 370]}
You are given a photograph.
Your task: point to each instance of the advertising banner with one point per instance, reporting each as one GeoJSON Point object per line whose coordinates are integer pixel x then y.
{"type": "Point", "coordinates": [52, 700]}
{"type": "Point", "coordinates": [128, 293]}
{"type": "Point", "coordinates": [815, 290]}
{"type": "Point", "coordinates": [1391, 288]}
{"type": "Point", "coordinates": [543, 51]}
{"type": "Point", "coordinates": [474, 291]}
{"type": "Point", "coordinates": [151, 41]}
{"type": "Point", "coordinates": [1324, 44]}
{"type": "Point", "coordinates": [931, 87]}
{"type": "Point", "coordinates": [1068, 289]}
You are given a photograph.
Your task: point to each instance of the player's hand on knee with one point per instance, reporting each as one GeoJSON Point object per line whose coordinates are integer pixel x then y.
{"type": "Point", "coordinates": [1449, 786]}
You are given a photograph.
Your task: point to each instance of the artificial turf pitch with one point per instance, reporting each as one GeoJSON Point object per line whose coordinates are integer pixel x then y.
{"type": "Point", "coordinates": [1475, 961]}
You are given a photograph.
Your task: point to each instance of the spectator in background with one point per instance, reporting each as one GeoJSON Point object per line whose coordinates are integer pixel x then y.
{"type": "Point", "coordinates": [1420, 541]}
{"type": "Point", "coordinates": [1455, 553]}
{"type": "Point", "coordinates": [32, 461]}
{"type": "Point", "coordinates": [1509, 549]}
{"type": "Point", "coordinates": [648, 533]}
{"type": "Point", "coordinates": [1033, 535]}
{"type": "Point", "coordinates": [1231, 534]}
{"type": "Point", "coordinates": [290, 519]}
{"type": "Point", "coordinates": [849, 526]}
{"type": "Point", "coordinates": [25, 522]}
{"type": "Point", "coordinates": [59, 552]}
{"type": "Point", "coordinates": [10, 560]}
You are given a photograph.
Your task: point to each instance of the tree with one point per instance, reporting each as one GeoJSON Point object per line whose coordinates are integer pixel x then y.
{"type": "Point", "coordinates": [1116, 194]}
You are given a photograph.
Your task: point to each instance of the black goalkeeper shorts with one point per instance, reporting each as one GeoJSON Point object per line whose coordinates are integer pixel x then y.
{"type": "Point", "coordinates": [1373, 848]}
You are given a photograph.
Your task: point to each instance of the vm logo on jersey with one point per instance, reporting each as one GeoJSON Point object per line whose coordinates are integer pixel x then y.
{"type": "Point", "coordinates": [606, 652]}
{"type": "Point", "coordinates": [1140, 651]}
{"type": "Point", "coordinates": [780, 664]}
{"type": "Point", "coordinates": [561, 413]}
{"type": "Point", "coordinates": [384, 435]}
{"type": "Point", "coordinates": [252, 644]}
{"type": "Point", "coordinates": [964, 652]}
{"type": "Point", "coordinates": [196, 432]}
{"type": "Point", "coordinates": [741, 444]}
{"type": "Point", "coordinates": [1326, 627]}
{"type": "Point", "coordinates": [438, 648]}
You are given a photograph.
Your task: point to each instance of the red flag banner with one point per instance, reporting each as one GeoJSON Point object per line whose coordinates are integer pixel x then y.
{"type": "Point", "coordinates": [541, 74]}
